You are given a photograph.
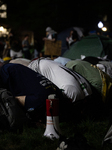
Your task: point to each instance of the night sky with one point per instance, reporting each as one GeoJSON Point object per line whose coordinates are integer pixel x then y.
{"type": "Point", "coordinates": [59, 14]}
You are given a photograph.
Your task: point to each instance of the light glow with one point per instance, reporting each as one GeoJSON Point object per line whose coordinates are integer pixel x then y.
{"type": "Point", "coordinates": [100, 25]}
{"type": "Point", "coordinates": [3, 31]}
{"type": "Point", "coordinates": [104, 29]}
{"type": "Point", "coordinates": [3, 7]}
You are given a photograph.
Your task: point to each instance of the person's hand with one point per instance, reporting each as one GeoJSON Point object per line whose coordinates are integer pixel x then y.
{"type": "Point", "coordinates": [67, 39]}
{"type": "Point", "coordinates": [21, 99]}
{"type": "Point", "coordinates": [44, 38]}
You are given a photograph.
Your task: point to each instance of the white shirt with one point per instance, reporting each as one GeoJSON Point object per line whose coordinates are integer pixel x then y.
{"type": "Point", "coordinates": [70, 40]}
{"type": "Point", "coordinates": [63, 78]}
{"type": "Point", "coordinates": [50, 37]}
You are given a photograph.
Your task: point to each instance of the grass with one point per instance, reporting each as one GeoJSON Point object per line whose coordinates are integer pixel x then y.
{"type": "Point", "coordinates": [32, 137]}
{"type": "Point", "coordinates": [92, 127]}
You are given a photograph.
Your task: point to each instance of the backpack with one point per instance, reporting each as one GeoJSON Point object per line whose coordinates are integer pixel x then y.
{"type": "Point", "coordinates": [12, 116]}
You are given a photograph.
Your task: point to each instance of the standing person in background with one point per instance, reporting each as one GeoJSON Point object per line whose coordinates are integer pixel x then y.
{"type": "Point", "coordinates": [7, 46]}
{"type": "Point", "coordinates": [73, 37]}
{"type": "Point", "coordinates": [10, 38]}
{"type": "Point", "coordinates": [50, 34]}
{"type": "Point", "coordinates": [26, 47]}
{"type": "Point", "coordinates": [37, 48]}
{"type": "Point", "coordinates": [16, 49]}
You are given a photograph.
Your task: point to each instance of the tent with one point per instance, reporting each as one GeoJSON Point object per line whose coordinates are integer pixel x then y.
{"type": "Point", "coordinates": [65, 33]}
{"type": "Point", "coordinates": [93, 45]}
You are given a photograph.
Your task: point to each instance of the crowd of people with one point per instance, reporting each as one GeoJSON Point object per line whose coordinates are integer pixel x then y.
{"type": "Point", "coordinates": [16, 47]}
{"type": "Point", "coordinates": [13, 46]}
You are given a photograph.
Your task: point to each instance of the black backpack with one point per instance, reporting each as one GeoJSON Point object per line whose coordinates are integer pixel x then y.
{"type": "Point", "coordinates": [12, 116]}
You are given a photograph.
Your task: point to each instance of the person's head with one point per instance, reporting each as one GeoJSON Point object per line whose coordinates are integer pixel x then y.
{"type": "Point", "coordinates": [48, 29]}
{"type": "Point", "coordinates": [15, 45]}
{"type": "Point", "coordinates": [71, 32]}
{"type": "Point", "coordinates": [10, 34]}
{"type": "Point", "coordinates": [75, 35]}
{"type": "Point", "coordinates": [26, 36]}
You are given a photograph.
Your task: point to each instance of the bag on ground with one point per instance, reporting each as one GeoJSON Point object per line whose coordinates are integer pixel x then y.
{"type": "Point", "coordinates": [11, 114]}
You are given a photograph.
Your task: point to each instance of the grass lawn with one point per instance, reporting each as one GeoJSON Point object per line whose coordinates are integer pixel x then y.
{"type": "Point", "coordinates": [90, 125]}
{"type": "Point", "coordinates": [32, 137]}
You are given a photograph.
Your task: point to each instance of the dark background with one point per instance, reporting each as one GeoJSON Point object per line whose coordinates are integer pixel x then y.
{"type": "Point", "coordinates": [36, 15]}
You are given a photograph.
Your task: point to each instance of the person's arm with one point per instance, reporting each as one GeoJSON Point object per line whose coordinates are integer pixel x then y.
{"type": "Point", "coordinates": [24, 44]}
{"type": "Point", "coordinates": [21, 99]}
{"type": "Point", "coordinates": [46, 39]}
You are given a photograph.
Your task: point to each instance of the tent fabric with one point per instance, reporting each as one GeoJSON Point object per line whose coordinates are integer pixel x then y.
{"type": "Point", "coordinates": [94, 45]}
{"type": "Point", "coordinates": [62, 36]}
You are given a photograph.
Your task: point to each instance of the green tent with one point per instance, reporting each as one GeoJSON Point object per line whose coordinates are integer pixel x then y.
{"type": "Point", "coordinates": [94, 45]}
